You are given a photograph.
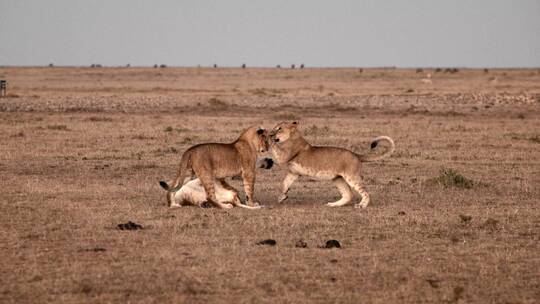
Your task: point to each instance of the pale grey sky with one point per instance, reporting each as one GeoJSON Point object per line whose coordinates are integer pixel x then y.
{"type": "Point", "coordinates": [403, 33]}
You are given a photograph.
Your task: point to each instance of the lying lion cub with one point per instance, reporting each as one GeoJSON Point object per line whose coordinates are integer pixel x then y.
{"type": "Point", "coordinates": [193, 192]}
{"type": "Point", "coordinates": [214, 162]}
{"type": "Point", "coordinates": [328, 163]}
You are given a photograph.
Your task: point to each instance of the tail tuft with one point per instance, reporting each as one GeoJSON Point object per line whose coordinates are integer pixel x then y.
{"type": "Point", "coordinates": [164, 185]}
{"type": "Point", "coordinates": [375, 143]}
{"type": "Point", "coordinates": [265, 163]}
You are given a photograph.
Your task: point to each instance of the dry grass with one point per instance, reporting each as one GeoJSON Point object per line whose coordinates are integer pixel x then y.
{"type": "Point", "coordinates": [79, 160]}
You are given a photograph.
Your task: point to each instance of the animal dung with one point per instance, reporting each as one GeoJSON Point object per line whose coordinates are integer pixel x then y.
{"type": "Point", "coordinates": [129, 226]}
{"type": "Point", "coordinates": [465, 218]}
{"type": "Point", "coordinates": [269, 242]}
{"type": "Point", "coordinates": [301, 244]}
{"type": "Point", "coordinates": [332, 244]}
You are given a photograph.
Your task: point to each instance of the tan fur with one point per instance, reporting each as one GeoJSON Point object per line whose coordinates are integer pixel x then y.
{"type": "Point", "coordinates": [213, 162]}
{"type": "Point", "coordinates": [327, 163]}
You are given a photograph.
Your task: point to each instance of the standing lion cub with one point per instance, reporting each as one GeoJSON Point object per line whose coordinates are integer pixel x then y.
{"type": "Point", "coordinates": [192, 193]}
{"type": "Point", "coordinates": [327, 163]}
{"type": "Point", "coordinates": [213, 162]}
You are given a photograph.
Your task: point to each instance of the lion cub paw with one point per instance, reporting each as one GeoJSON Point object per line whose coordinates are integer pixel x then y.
{"type": "Point", "coordinates": [360, 205]}
{"type": "Point", "coordinates": [226, 206]}
{"type": "Point", "coordinates": [333, 204]}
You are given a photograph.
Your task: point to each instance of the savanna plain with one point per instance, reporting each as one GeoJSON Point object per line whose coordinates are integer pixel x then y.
{"type": "Point", "coordinates": [454, 214]}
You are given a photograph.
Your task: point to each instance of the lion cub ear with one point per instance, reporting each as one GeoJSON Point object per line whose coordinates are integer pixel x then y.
{"type": "Point", "coordinates": [260, 131]}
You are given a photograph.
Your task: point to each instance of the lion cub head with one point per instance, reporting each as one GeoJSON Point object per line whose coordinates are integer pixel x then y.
{"type": "Point", "coordinates": [257, 137]}
{"type": "Point", "coordinates": [283, 131]}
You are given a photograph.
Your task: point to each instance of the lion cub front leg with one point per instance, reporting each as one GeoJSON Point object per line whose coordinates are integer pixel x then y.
{"type": "Point", "coordinates": [249, 182]}
{"type": "Point", "coordinates": [287, 182]}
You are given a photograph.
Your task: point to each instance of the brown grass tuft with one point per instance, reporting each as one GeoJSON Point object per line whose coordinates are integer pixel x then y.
{"type": "Point", "coordinates": [451, 178]}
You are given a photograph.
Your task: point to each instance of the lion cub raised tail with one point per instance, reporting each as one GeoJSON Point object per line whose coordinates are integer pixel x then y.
{"type": "Point", "coordinates": [339, 165]}
{"type": "Point", "coordinates": [214, 162]}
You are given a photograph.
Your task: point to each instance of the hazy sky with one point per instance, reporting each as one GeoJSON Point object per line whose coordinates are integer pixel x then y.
{"type": "Point", "coordinates": [403, 33]}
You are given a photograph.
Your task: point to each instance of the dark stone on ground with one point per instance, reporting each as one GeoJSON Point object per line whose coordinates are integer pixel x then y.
{"type": "Point", "coordinates": [269, 242]}
{"type": "Point", "coordinates": [465, 218]}
{"type": "Point", "coordinates": [301, 244]}
{"type": "Point", "coordinates": [129, 226]}
{"type": "Point", "coordinates": [332, 244]}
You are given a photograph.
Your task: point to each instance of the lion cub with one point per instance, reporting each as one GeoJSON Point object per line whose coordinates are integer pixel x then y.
{"type": "Point", "coordinates": [192, 193]}
{"type": "Point", "coordinates": [213, 162]}
{"type": "Point", "coordinates": [327, 163]}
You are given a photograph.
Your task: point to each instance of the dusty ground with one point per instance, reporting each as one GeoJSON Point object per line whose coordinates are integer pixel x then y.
{"type": "Point", "coordinates": [82, 150]}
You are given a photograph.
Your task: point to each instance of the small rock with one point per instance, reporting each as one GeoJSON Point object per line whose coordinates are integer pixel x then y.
{"type": "Point", "coordinates": [490, 223]}
{"type": "Point", "coordinates": [333, 261]}
{"type": "Point", "coordinates": [129, 226]}
{"type": "Point", "coordinates": [435, 283]}
{"type": "Point", "coordinates": [332, 244]}
{"type": "Point", "coordinates": [269, 242]}
{"type": "Point", "coordinates": [454, 238]}
{"type": "Point", "coordinates": [465, 218]}
{"type": "Point", "coordinates": [301, 244]}
{"type": "Point", "coordinates": [458, 293]}
{"type": "Point", "coordinates": [401, 213]}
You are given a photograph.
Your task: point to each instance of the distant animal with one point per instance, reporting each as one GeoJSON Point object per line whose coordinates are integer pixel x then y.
{"type": "Point", "coordinates": [193, 193]}
{"type": "Point", "coordinates": [427, 80]}
{"type": "Point", "coordinates": [339, 165]}
{"type": "Point", "coordinates": [213, 162]}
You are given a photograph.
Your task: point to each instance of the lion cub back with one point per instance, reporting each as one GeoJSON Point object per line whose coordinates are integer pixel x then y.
{"type": "Point", "coordinates": [222, 159]}
{"type": "Point", "coordinates": [325, 162]}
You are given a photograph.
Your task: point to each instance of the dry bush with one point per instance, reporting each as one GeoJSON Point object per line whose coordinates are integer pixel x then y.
{"type": "Point", "coordinates": [451, 178]}
{"type": "Point", "coordinates": [285, 116]}
{"type": "Point", "coordinates": [58, 127]}
{"type": "Point", "coordinates": [314, 130]}
{"type": "Point", "coordinates": [218, 103]}
{"type": "Point", "coordinates": [99, 119]}
{"type": "Point", "coordinates": [179, 130]}
{"type": "Point", "coordinates": [535, 139]}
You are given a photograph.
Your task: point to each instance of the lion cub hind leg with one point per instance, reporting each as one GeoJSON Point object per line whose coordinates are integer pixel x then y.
{"type": "Point", "coordinates": [207, 181]}
{"type": "Point", "coordinates": [235, 199]}
{"type": "Point", "coordinates": [238, 203]}
{"type": "Point", "coordinates": [344, 190]}
{"type": "Point", "coordinates": [356, 184]}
